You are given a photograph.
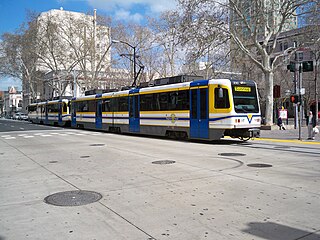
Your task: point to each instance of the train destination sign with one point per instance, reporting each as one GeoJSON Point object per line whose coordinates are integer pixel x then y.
{"type": "Point", "coordinates": [242, 89]}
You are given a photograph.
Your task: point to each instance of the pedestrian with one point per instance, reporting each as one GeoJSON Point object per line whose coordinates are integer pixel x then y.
{"type": "Point", "coordinates": [311, 120]}
{"type": "Point", "coordinates": [280, 124]}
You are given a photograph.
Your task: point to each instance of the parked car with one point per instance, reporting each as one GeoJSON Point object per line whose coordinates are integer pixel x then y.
{"type": "Point", "coordinates": [20, 116]}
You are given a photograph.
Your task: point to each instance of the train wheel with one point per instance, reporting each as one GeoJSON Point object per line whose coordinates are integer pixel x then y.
{"type": "Point", "coordinates": [244, 138]}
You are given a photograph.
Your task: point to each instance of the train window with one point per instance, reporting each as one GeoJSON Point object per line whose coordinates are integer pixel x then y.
{"type": "Point", "coordinates": [106, 107]}
{"type": "Point", "coordinates": [146, 102]}
{"type": "Point", "coordinates": [221, 101]}
{"type": "Point", "coordinates": [194, 108]}
{"type": "Point", "coordinates": [183, 101]}
{"type": "Point", "coordinates": [92, 105]}
{"type": "Point", "coordinates": [245, 99]}
{"type": "Point", "coordinates": [83, 106]}
{"type": "Point", "coordinates": [136, 110]}
{"type": "Point", "coordinates": [156, 102]}
{"type": "Point", "coordinates": [163, 100]}
{"type": "Point", "coordinates": [203, 103]}
{"type": "Point", "coordinates": [64, 107]}
{"type": "Point", "coordinates": [173, 100]}
{"type": "Point", "coordinates": [115, 104]}
{"type": "Point", "coordinates": [123, 104]}
{"type": "Point", "coordinates": [131, 107]}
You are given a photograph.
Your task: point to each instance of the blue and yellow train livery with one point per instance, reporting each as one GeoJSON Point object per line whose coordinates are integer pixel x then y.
{"type": "Point", "coordinates": [55, 112]}
{"type": "Point", "coordinates": [201, 109]}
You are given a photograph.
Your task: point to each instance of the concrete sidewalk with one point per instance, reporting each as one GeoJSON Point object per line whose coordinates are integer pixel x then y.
{"type": "Point", "coordinates": [290, 133]}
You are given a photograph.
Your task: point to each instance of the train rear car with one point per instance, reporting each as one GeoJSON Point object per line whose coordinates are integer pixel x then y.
{"type": "Point", "coordinates": [55, 112]}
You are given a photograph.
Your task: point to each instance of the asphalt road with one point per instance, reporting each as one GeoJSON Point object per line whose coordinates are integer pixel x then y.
{"type": "Point", "coordinates": [9, 125]}
{"type": "Point", "coordinates": [199, 191]}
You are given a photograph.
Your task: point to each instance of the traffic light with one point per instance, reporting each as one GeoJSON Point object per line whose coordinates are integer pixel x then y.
{"type": "Point", "coordinates": [307, 66]}
{"type": "Point", "coordinates": [294, 98]}
{"type": "Point", "coordinates": [291, 67]}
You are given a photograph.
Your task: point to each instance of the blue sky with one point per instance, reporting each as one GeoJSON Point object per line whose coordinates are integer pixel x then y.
{"type": "Point", "coordinates": [13, 13]}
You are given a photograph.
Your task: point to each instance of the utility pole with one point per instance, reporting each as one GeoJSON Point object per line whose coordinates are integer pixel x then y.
{"type": "Point", "coordinates": [135, 77]}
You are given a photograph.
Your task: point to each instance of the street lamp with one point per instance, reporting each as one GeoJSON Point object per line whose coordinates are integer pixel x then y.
{"type": "Point", "coordinates": [134, 60]}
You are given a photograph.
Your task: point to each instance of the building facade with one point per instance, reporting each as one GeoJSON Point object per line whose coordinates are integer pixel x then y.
{"type": "Point", "coordinates": [70, 45]}
{"type": "Point", "coordinates": [12, 102]}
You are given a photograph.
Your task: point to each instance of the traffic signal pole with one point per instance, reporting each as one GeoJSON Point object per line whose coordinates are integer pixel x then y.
{"type": "Point", "coordinates": [301, 101]}
{"type": "Point", "coordinates": [296, 91]}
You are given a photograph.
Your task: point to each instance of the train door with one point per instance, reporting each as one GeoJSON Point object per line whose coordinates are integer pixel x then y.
{"type": "Point", "coordinates": [199, 111]}
{"type": "Point", "coordinates": [46, 118]}
{"type": "Point", "coordinates": [60, 109]}
{"type": "Point", "coordinates": [73, 114]}
{"type": "Point", "coordinates": [134, 114]}
{"type": "Point", "coordinates": [99, 113]}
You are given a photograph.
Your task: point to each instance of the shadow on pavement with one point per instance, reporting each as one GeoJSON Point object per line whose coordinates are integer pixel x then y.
{"type": "Point", "coordinates": [275, 231]}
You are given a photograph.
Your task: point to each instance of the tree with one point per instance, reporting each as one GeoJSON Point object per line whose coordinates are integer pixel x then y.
{"type": "Point", "coordinates": [70, 42]}
{"type": "Point", "coordinates": [19, 58]}
{"type": "Point", "coordinates": [253, 26]}
{"type": "Point", "coordinates": [166, 36]}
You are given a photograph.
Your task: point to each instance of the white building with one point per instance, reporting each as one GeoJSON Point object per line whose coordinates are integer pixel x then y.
{"type": "Point", "coordinates": [73, 52]}
{"type": "Point", "coordinates": [12, 101]}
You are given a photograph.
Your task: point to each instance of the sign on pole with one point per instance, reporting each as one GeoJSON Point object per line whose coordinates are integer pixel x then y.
{"type": "Point", "coordinates": [283, 113]}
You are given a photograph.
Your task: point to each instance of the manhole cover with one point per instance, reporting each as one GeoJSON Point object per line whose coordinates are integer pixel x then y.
{"type": "Point", "coordinates": [97, 145]}
{"type": "Point", "coordinates": [161, 162]}
{"type": "Point", "coordinates": [231, 154]}
{"type": "Point", "coordinates": [73, 198]}
{"type": "Point", "coordinates": [259, 165]}
{"type": "Point", "coordinates": [53, 161]}
{"type": "Point", "coordinates": [84, 156]}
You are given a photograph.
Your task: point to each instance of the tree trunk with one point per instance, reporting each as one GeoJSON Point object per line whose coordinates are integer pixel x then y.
{"type": "Point", "coordinates": [269, 98]}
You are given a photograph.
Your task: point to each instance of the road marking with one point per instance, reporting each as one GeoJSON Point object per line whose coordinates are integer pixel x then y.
{"type": "Point", "coordinates": [28, 136]}
{"type": "Point", "coordinates": [22, 128]}
{"type": "Point", "coordinates": [4, 136]}
{"type": "Point", "coordinates": [46, 135]}
{"type": "Point", "coordinates": [8, 138]}
{"type": "Point", "coordinates": [12, 126]}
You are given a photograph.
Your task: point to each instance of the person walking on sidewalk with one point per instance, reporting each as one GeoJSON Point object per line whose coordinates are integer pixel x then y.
{"type": "Point", "coordinates": [311, 121]}
{"type": "Point", "coordinates": [280, 124]}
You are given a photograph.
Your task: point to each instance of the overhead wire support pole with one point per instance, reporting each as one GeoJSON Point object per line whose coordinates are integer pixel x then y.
{"type": "Point", "coordinates": [134, 84]}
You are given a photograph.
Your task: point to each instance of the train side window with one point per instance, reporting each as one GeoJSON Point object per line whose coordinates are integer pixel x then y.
{"type": "Point", "coordinates": [106, 107]}
{"type": "Point", "coordinates": [221, 101]}
{"type": "Point", "coordinates": [123, 104]}
{"type": "Point", "coordinates": [173, 100]}
{"type": "Point", "coordinates": [146, 102]}
{"type": "Point", "coordinates": [163, 100]}
{"type": "Point", "coordinates": [92, 105]}
{"type": "Point", "coordinates": [64, 107]}
{"type": "Point", "coordinates": [85, 107]}
{"type": "Point", "coordinates": [183, 101]}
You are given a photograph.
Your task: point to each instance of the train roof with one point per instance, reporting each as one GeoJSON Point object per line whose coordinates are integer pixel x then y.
{"type": "Point", "coordinates": [159, 88]}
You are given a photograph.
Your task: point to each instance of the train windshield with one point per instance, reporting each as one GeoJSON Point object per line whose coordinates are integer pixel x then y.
{"type": "Point", "coordinates": [245, 99]}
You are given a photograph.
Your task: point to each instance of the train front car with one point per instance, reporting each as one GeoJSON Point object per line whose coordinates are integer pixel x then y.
{"type": "Point", "coordinates": [245, 117]}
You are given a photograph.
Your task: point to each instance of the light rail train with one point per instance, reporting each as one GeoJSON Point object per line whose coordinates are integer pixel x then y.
{"type": "Point", "coordinates": [201, 109]}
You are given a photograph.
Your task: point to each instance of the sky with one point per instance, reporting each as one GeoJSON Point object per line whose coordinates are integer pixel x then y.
{"type": "Point", "coordinates": [13, 14]}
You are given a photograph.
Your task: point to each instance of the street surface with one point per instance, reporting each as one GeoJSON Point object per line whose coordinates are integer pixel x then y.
{"type": "Point", "coordinates": [205, 191]}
